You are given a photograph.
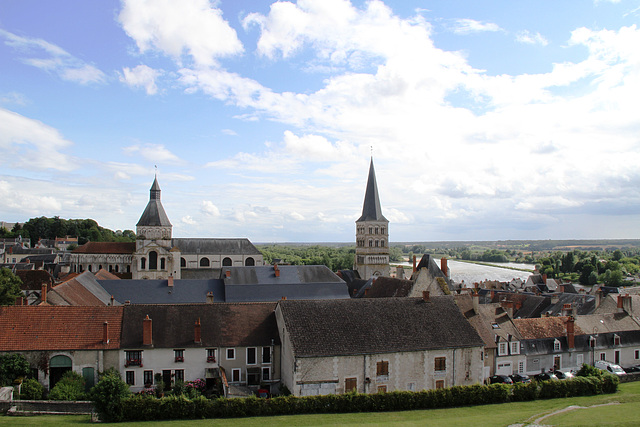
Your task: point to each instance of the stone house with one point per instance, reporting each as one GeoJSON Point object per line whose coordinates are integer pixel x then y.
{"type": "Point", "coordinates": [375, 345]}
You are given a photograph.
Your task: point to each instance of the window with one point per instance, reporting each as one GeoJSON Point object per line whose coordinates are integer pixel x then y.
{"type": "Point", "coordinates": [556, 345]}
{"type": "Point", "coordinates": [377, 243]}
{"type": "Point", "coordinates": [411, 386]}
{"type": "Point", "coordinates": [253, 376]}
{"type": "Point", "coordinates": [383, 230]}
{"type": "Point", "coordinates": [130, 377]}
{"type": "Point", "coordinates": [592, 342]}
{"type": "Point", "coordinates": [370, 243]}
{"type": "Point", "coordinates": [350, 384]}
{"type": "Point", "coordinates": [204, 262]}
{"type": "Point", "coordinates": [266, 355]}
{"type": "Point", "coordinates": [440, 364]}
{"type": "Point", "coordinates": [370, 230]}
{"type": "Point", "coordinates": [382, 368]}
{"type": "Point", "coordinates": [231, 354]}
{"type": "Point", "coordinates": [377, 230]}
{"type": "Point", "coordinates": [603, 356]}
{"type": "Point", "coordinates": [235, 375]}
{"type": "Point", "coordinates": [148, 378]}
{"type": "Point", "coordinates": [521, 368]}
{"type": "Point", "coordinates": [579, 359]}
{"type": "Point", "coordinates": [266, 374]}
{"type": "Point", "coordinates": [382, 389]}
{"type": "Point", "coordinates": [179, 375]}
{"type": "Point", "coordinates": [162, 264]}
{"type": "Point", "coordinates": [133, 358]}
{"type": "Point", "coordinates": [557, 362]}
{"type": "Point", "coordinates": [143, 263]}
{"type": "Point", "coordinates": [439, 384]}
{"type": "Point", "coordinates": [616, 339]}
{"type": "Point", "coordinates": [183, 263]}
{"type": "Point", "coordinates": [178, 355]}
{"type": "Point", "coordinates": [502, 349]}
{"type": "Point", "coordinates": [382, 243]}
{"type": "Point", "coordinates": [249, 262]}
{"type": "Point", "coordinates": [227, 262]}
{"type": "Point", "coordinates": [153, 260]}
{"type": "Point", "coordinates": [211, 355]}
{"type": "Point", "coordinates": [636, 354]}
{"type": "Point", "coordinates": [251, 356]}
{"type": "Point", "coordinates": [515, 347]}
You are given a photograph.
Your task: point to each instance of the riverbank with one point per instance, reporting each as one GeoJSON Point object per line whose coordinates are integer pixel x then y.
{"type": "Point", "coordinates": [487, 264]}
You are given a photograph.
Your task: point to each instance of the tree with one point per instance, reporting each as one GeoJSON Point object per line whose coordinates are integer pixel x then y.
{"type": "Point", "coordinates": [9, 287]}
{"type": "Point", "coordinates": [70, 387]}
{"type": "Point", "coordinates": [107, 395]}
{"type": "Point", "coordinates": [617, 255]}
{"type": "Point", "coordinates": [13, 366]}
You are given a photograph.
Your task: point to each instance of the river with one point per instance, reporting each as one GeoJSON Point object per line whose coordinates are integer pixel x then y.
{"type": "Point", "coordinates": [471, 273]}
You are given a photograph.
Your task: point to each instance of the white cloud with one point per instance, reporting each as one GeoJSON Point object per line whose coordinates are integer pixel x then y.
{"type": "Point", "coordinates": [188, 220]}
{"type": "Point", "coordinates": [209, 208]}
{"type": "Point", "coordinates": [527, 37]}
{"type": "Point", "coordinates": [193, 27]}
{"type": "Point", "coordinates": [32, 145]}
{"type": "Point", "coordinates": [469, 26]}
{"type": "Point", "coordinates": [54, 59]}
{"type": "Point", "coordinates": [153, 152]}
{"type": "Point", "coordinates": [141, 76]}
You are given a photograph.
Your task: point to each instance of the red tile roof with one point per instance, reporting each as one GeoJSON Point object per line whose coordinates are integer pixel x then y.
{"type": "Point", "coordinates": [103, 274]}
{"type": "Point", "coordinates": [106, 248]}
{"type": "Point", "coordinates": [58, 328]}
{"type": "Point", "coordinates": [544, 327]}
{"type": "Point", "coordinates": [74, 292]}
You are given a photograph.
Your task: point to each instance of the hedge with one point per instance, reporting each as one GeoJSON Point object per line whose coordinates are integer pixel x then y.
{"type": "Point", "coordinates": [148, 408]}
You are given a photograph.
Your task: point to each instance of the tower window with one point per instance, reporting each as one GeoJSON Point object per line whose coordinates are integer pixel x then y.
{"type": "Point", "coordinates": [204, 262]}
{"type": "Point", "coordinates": [382, 243]}
{"type": "Point", "coordinates": [153, 260]}
{"type": "Point", "coordinates": [162, 264]}
{"type": "Point", "coordinates": [227, 262]}
{"type": "Point", "coordinates": [143, 263]}
{"type": "Point", "coordinates": [370, 243]}
{"type": "Point", "coordinates": [183, 263]}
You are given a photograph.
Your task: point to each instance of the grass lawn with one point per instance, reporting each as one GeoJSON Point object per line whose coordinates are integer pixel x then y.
{"type": "Point", "coordinates": [626, 413]}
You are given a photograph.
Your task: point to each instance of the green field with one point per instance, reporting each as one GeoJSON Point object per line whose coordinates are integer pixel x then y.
{"type": "Point", "coordinates": [623, 409]}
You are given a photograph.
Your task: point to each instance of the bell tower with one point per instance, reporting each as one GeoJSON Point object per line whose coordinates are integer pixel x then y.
{"type": "Point", "coordinates": [372, 234]}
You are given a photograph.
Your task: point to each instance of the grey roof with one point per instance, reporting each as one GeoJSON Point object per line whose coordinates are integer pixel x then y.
{"type": "Point", "coordinates": [154, 214]}
{"type": "Point", "coordinates": [158, 291]}
{"type": "Point", "coordinates": [580, 304]}
{"type": "Point", "coordinates": [214, 246]}
{"type": "Point", "coordinates": [371, 210]}
{"type": "Point", "coordinates": [377, 325]}
{"type": "Point", "coordinates": [294, 282]}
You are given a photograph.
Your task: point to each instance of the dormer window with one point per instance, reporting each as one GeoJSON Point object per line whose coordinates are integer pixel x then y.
{"type": "Point", "coordinates": [515, 347]}
{"type": "Point", "coordinates": [616, 339]}
{"type": "Point", "coordinates": [592, 342]}
{"type": "Point", "coordinates": [503, 349]}
{"type": "Point", "coordinates": [556, 345]}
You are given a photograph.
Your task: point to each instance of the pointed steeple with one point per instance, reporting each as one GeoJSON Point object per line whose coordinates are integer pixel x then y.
{"type": "Point", "coordinates": [371, 210]}
{"type": "Point", "coordinates": [154, 214]}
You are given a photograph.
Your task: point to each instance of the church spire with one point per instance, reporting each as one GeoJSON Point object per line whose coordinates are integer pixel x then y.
{"type": "Point", "coordinates": [154, 214]}
{"type": "Point", "coordinates": [371, 210]}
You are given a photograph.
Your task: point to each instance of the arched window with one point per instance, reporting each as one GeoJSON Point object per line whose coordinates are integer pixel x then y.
{"type": "Point", "coordinates": [89, 267]}
{"type": "Point", "coordinates": [377, 243]}
{"type": "Point", "coordinates": [110, 268]}
{"type": "Point", "coordinates": [117, 268]}
{"type": "Point", "coordinates": [376, 230]}
{"type": "Point", "coordinates": [383, 230]}
{"type": "Point", "coordinates": [100, 267]}
{"type": "Point", "coordinates": [143, 263]}
{"type": "Point", "coordinates": [227, 262]}
{"type": "Point", "coordinates": [382, 243]}
{"type": "Point", "coordinates": [128, 269]}
{"type": "Point", "coordinates": [153, 260]}
{"type": "Point", "coordinates": [204, 262]}
{"type": "Point", "coordinates": [162, 264]}
{"type": "Point", "coordinates": [370, 243]}
{"type": "Point", "coordinates": [183, 263]}
{"type": "Point", "coordinates": [249, 262]}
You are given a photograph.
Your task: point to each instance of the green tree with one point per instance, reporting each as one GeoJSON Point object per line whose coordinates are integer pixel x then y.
{"type": "Point", "coordinates": [31, 389]}
{"type": "Point", "coordinates": [108, 394]}
{"type": "Point", "coordinates": [70, 387]}
{"type": "Point", "coordinates": [617, 255]}
{"type": "Point", "coordinates": [9, 287]}
{"type": "Point", "coordinates": [13, 366]}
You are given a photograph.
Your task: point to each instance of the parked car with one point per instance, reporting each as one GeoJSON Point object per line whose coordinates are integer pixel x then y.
{"type": "Point", "coordinates": [500, 379]}
{"type": "Point", "coordinates": [545, 376]}
{"type": "Point", "coordinates": [612, 368]}
{"type": "Point", "coordinates": [632, 369]}
{"type": "Point", "coordinates": [520, 378]}
{"type": "Point", "coordinates": [562, 375]}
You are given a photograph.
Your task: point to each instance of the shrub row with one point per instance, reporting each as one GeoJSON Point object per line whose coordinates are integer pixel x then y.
{"type": "Point", "coordinates": [147, 408]}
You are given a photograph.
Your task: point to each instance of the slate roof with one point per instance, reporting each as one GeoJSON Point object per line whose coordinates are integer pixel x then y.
{"type": "Point", "coordinates": [371, 210]}
{"type": "Point", "coordinates": [387, 287]}
{"type": "Point", "coordinates": [50, 328]}
{"type": "Point", "coordinates": [479, 324]}
{"type": "Point", "coordinates": [106, 248]}
{"type": "Point", "coordinates": [544, 327]}
{"type": "Point", "coordinates": [154, 214]}
{"type": "Point", "coordinates": [607, 322]}
{"type": "Point", "coordinates": [580, 303]}
{"type": "Point", "coordinates": [490, 321]}
{"type": "Point", "coordinates": [222, 325]}
{"type": "Point", "coordinates": [158, 291]}
{"type": "Point", "coordinates": [370, 326]}
{"type": "Point", "coordinates": [203, 246]}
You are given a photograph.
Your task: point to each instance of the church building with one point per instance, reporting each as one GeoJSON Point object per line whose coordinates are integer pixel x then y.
{"type": "Point", "coordinates": [372, 234]}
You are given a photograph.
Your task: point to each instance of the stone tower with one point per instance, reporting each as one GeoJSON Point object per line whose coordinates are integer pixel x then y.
{"type": "Point", "coordinates": [372, 234]}
{"type": "Point", "coordinates": [154, 257]}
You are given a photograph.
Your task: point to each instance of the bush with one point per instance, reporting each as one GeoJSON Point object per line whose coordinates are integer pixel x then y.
{"type": "Point", "coordinates": [70, 387]}
{"type": "Point", "coordinates": [523, 392]}
{"type": "Point", "coordinates": [108, 394]}
{"type": "Point", "coordinates": [13, 366]}
{"type": "Point", "coordinates": [31, 390]}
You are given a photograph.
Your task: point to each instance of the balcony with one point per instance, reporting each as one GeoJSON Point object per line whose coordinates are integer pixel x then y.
{"type": "Point", "coordinates": [133, 362]}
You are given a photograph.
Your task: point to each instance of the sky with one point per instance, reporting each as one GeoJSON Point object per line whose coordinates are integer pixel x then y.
{"type": "Point", "coordinates": [487, 120]}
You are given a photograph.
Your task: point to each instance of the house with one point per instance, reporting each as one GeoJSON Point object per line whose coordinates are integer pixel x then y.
{"type": "Point", "coordinates": [232, 346]}
{"type": "Point", "coordinates": [59, 339]}
{"type": "Point", "coordinates": [372, 345]}
{"type": "Point", "coordinates": [428, 276]}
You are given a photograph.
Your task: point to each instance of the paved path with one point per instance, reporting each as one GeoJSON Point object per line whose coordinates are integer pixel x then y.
{"type": "Point", "coordinates": [537, 422]}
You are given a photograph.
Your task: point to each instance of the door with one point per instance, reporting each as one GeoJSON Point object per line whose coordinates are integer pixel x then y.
{"type": "Point", "coordinates": [504, 368]}
{"type": "Point", "coordinates": [616, 357]}
{"type": "Point", "coordinates": [57, 367]}
{"type": "Point", "coordinates": [89, 378]}
{"type": "Point", "coordinates": [166, 379]}
{"type": "Point", "coordinates": [557, 362]}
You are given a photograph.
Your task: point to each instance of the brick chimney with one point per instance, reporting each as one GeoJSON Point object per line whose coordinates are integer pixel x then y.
{"type": "Point", "coordinates": [400, 272]}
{"type": "Point", "coordinates": [414, 263]}
{"type": "Point", "coordinates": [43, 294]}
{"type": "Point", "coordinates": [147, 331]}
{"type": "Point", "coordinates": [475, 298]}
{"type": "Point", "coordinates": [444, 267]}
{"type": "Point", "coordinates": [19, 301]}
{"type": "Point", "coordinates": [112, 300]}
{"type": "Point", "coordinates": [567, 309]}
{"type": "Point", "coordinates": [626, 303]}
{"type": "Point", "coordinates": [170, 281]}
{"type": "Point", "coordinates": [105, 332]}
{"type": "Point", "coordinates": [544, 279]}
{"type": "Point", "coordinates": [620, 303]}
{"type": "Point", "coordinates": [210, 298]}
{"type": "Point", "coordinates": [227, 273]}
{"type": "Point", "coordinates": [284, 298]}
{"type": "Point", "coordinates": [276, 270]}
{"type": "Point", "coordinates": [508, 307]}
{"type": "Point", "coordinates": [571, 332]}
{"type": "Point", "coordinates": [425, 296]}
{"type": "Point", "coordinates": [197, 332]}
{"type": "Point", "coordinates": [598, 297]}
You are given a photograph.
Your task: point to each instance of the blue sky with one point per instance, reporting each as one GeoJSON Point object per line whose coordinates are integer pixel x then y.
{"type": "Point", "coordinates": [488, 120]}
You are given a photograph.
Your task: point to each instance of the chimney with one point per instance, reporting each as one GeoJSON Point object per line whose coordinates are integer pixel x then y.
{"type": "Point", "coordinates": [620, 303]}
{"type": "Point", "coordinates": [567, 309]}
{"type": "Point", "coordinates": [170, 281]}
{"type": "Point", "coordinates": [626, 303]}
{"type": "Point", "coordinates": [197, 332]}
{"type": "Point", "coordinates": [284, 298]}
{"type": "Point", "coordinates": [508, 307]}
{"type": "Point", "coordinates": [425, 296]}
{"type": "Point", "coordinates": [146, 331]}
{"type": "Point", "coordinates": [127, 302]}
{"type": "Point", "coordinates": [227, 273]}
{"type": "Point", "coordinates": [414, 263]}
{"type": "Point", "coordinates": [400, 272]}
{"type": "Point", "coordinates": [209, 297]}
{"type": "Point", "coordinates": [276, 270]}
{"type": "Point", "coordinates": [476, 302]}
{"type": "Point", "coordinates": [444, 267]}
{"type": "Point", "coordinates": [571, 332]}
{"type": "Point", "coordinates": [112, 300]}
{"type": "Point", "coordinates": [544, 279]}
{"type": "Point", "coordinates": [492, 294]}
{"type": "Point", "coordinates": [19, 301]}
{"type": "Point", "coordinates": [105, 332]}
{"type": "Point", "coordinates": [43, 294]}
{"type": "Point", "coordinates": [598, 297]}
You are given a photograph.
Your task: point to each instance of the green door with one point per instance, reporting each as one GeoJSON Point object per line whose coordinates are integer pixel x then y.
{"type": "Point", "coordinates": [89, 378]}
